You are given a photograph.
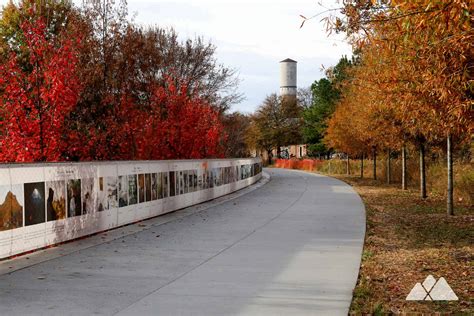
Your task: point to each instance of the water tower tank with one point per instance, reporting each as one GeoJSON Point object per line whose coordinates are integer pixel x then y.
{"type": "Point", "coordinates": [288, 77]}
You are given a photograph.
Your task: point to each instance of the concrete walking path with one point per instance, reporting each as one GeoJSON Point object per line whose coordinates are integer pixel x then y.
{"type": "Point", "coordinates": [291, 247]}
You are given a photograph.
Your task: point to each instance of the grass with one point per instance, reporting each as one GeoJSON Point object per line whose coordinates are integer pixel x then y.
{"type": "Point", "coordinates": [407, 239]}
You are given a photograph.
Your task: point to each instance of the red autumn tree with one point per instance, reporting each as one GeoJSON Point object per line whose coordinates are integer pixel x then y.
{"type": "Point", "coordinates": [37, 96]}
{"type": "Point", "coordinates": [179, 125]}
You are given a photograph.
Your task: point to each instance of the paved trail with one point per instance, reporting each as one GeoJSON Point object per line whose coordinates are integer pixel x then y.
{"type": "Point", "coordinates": [290, 247]}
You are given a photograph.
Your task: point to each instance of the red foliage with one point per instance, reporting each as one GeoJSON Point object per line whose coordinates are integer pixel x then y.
{"type": "Point", "coordinates": [303, 164]}
{"type": "Point", "coordinates": [176, 126]}
{"type": "Point", "coordinates": [179, 126]}
{"type": "Point", "coordinates": [36, 97]}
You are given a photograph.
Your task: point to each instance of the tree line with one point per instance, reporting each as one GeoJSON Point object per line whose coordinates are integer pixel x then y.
{"type": "Point", "coordinates": [408, 87]}
{"type": "Point", "coordinates": [86, 83]}
{"type": "Point", "coordinates": [282, 120]}
{"type": "Point", "coordinates": [413, 84]}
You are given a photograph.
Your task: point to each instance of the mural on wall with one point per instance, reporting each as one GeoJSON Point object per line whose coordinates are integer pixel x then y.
{"type": "Point", "coordinates": [74, 204]}
{"type": "Point", "coordinates": [29, 204]}
{"type": "Point", "coordinates": [34, 203]}
{"type": "Point", "coordinates": [11, 207]}
{"type": "Point", "coordinates": [88, 196]}
{"type": "Point", "coordinates": [56, 200]}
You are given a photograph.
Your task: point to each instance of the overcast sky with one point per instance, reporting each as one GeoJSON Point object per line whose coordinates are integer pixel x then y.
{"type": "Point", "coordinates": [252, 36]}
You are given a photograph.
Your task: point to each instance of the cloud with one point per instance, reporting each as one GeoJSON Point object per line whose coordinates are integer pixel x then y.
{"type": "Point", "coordinates": [252, 36]}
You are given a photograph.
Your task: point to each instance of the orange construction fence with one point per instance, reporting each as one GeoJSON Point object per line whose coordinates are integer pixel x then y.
{"type": "Point", "coordinates": [300, 164]}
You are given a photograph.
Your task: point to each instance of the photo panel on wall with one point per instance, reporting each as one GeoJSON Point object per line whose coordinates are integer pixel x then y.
{"type": "Point", "coordinates": [132, 189]}
{"type": "Point", "coordinates": [88, 196]}
{"type": "Point", "coordinates": [155, 180]}
{"type": "Point", "coordinates": [147, 187]}
{"type": "Point", "coordinates": [55, 200]}
{"type": "Point", "coordinates": [74, 200]}
{"type": "Point", "coordinates": [11, 206]}
{"type": "Point", "coordinates": [172, 176]}
{"type": "Point", "coordinates": [165, 184]}
{"type": "Point", "coordinates": [123, 190]}
{"type": "Point", "coordinates": [141, 188]}
{"type": "Point", "coordinates": [102, 203]}
{"type": "Point", "coordinates": [112, 192]}
{"type": "Point", "coordinates": [34, 203]}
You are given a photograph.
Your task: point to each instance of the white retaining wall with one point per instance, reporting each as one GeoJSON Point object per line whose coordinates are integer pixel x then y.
{"type": "Point", "coordinates": [46, 204]}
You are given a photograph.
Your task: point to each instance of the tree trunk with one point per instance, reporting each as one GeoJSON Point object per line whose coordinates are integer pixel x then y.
{"type": "Point", "coordinates": [269, 154]}
{"type": "Point", "coordinates": [422, 172]}
{"type": "Point", "coordinates": [362, 166]}
{"type": "Point", "coordinates": [449, 153]}
{"type": "Point", "coordinates": [375, 164]}
{"type": "Point", "coordinates": [389, 170]}
{"type": "Point", "coordinates": [348, 170]}
{"type": "Point", "coordinates": [404, 167]}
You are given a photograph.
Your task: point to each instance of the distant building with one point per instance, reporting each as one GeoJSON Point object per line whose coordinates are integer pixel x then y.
{"type": "Point", "coordinates": [288, 91]}
{"type": "Point", "coordinates": [293, 151]}
{"type": "Point", "coordinates": [288, 78]}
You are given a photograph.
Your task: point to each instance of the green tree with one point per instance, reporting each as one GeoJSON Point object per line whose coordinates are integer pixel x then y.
{"type": "Point", "coordinates": [326, 93]}
{"type": "Point", "coordinates": [315, 117]}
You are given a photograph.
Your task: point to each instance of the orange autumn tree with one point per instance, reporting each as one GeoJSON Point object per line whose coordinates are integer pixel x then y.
{"type": "Point", "coordinates": [347, 128]}
{"type": "Point", "coordinates": [417, 55]}
{"type": "Point", "coordinates": [440, 46]}
{"type": "Point", "coordinates": [380, 84]}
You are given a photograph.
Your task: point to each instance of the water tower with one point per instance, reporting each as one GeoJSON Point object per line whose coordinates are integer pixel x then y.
{"type": "Point", "coordinates": [288, 78]}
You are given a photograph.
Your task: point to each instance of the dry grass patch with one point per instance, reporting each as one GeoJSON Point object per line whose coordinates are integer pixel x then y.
{"type": "Point", "coordinates": [407, 239]}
